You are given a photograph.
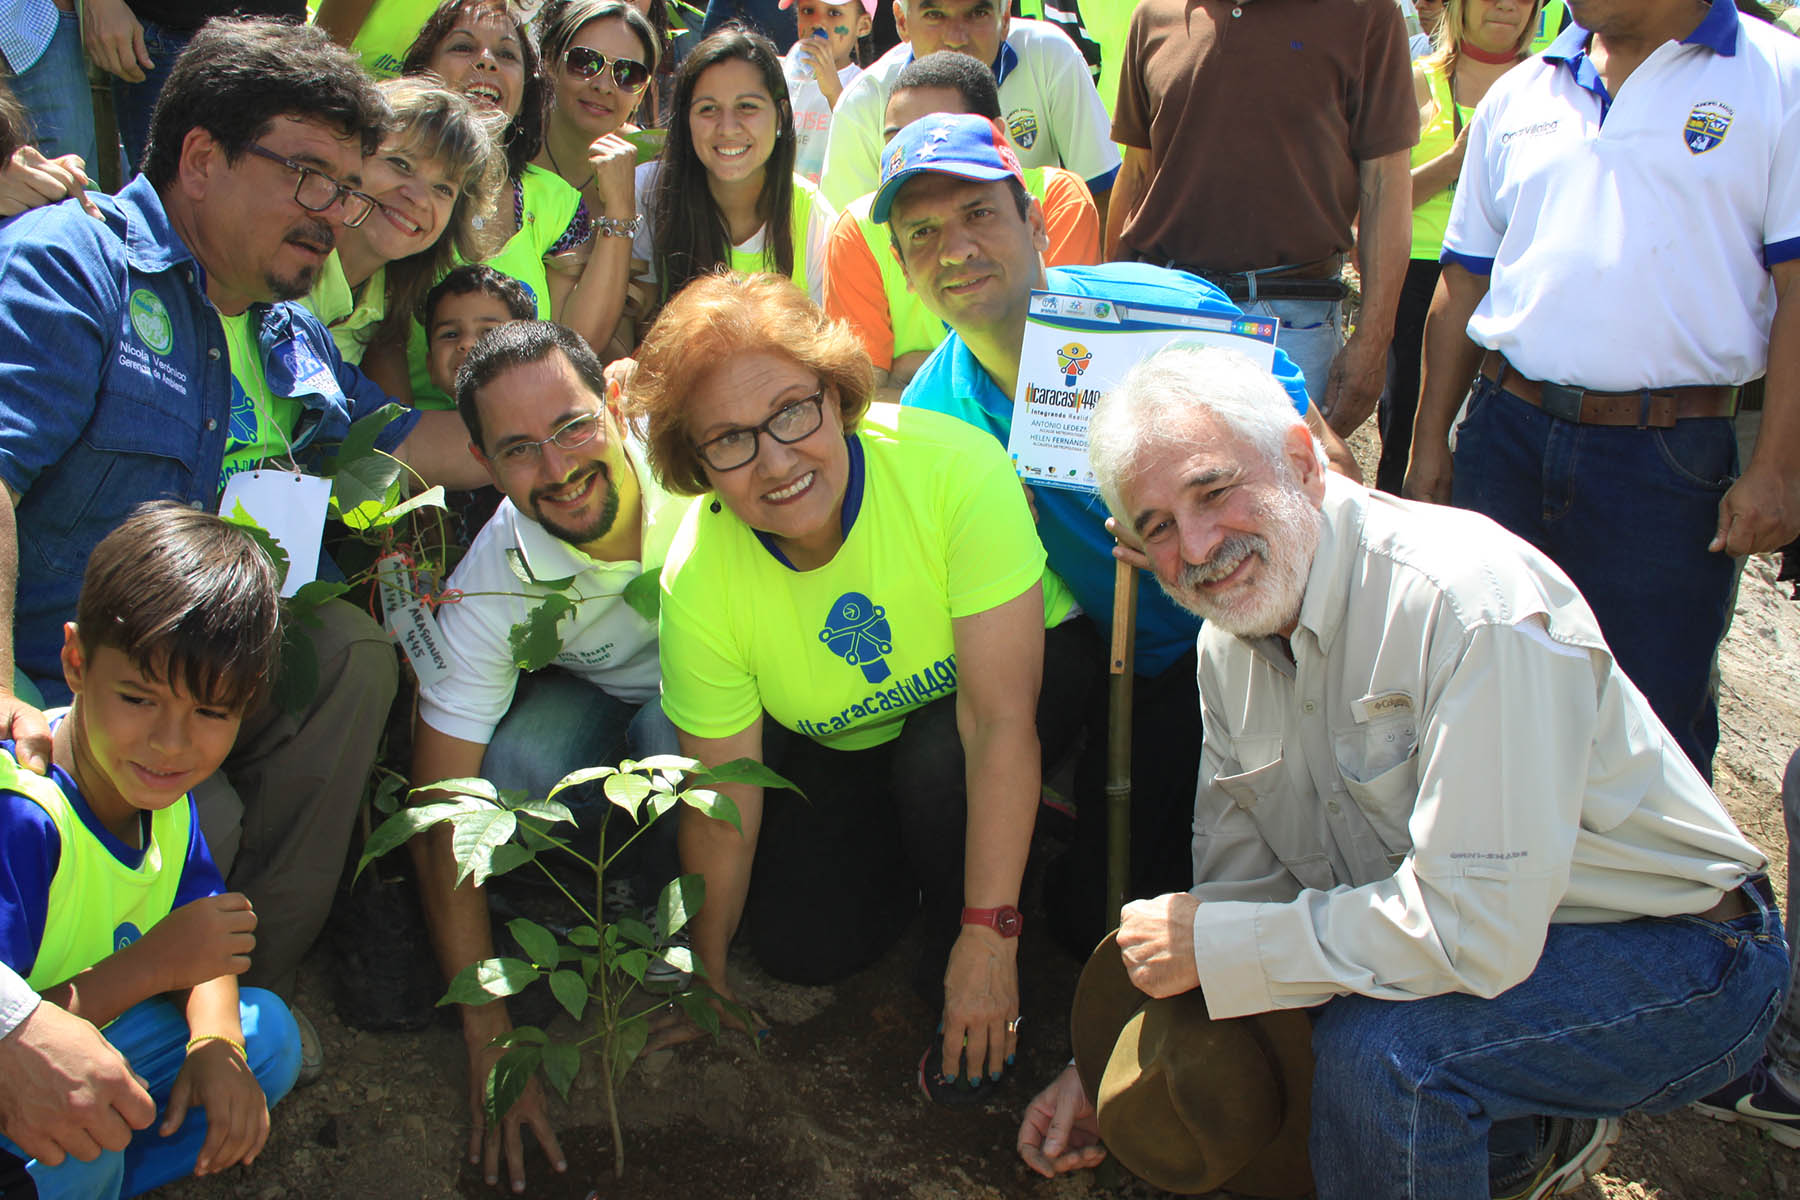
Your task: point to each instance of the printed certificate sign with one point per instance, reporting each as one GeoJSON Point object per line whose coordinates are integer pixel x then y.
{"type": "Point", "coordinates": [1076, 347]}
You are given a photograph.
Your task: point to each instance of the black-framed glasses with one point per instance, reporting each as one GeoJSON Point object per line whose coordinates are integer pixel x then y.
{"type": "Point", "coordinates": [790, 423]}
{"type": "Point", "coordinates": [315, 191]}
{"type": "Point", "coordinates": [570, 435]}
{"type": "Point", "coordinates": [628, 73]}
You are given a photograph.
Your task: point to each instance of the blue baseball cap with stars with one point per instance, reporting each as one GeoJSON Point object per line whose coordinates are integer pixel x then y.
{"type": "Point", "coordinates": [965, 145]}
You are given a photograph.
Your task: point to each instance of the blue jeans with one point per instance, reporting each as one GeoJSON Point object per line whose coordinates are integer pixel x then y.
{"type": "Point", "coordinates": [1627, 513]}
{"type": "Point", "coordinates": [134, 102]}
{"type": "Point", "coordinates": [153, 1038]}
{"type": "Point", "coordinates": [54, 90]}
{"type": "Point", "coordinates": [1312, 332]}
{"type": "Point", "coordinates": [1784, 1040]}
{"type": "Point", "coordinates": [557, 724]}
{"type": "Point", "coordinates": [1638, 1015]}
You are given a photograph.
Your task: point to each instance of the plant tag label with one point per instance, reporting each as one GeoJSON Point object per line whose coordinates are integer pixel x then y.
{"type": "Point", "coordinates": [291, 507]}
{"type": "Point", "coordinates": [393, 576]}
{"type": "Point", "coordinates": [416, 629]}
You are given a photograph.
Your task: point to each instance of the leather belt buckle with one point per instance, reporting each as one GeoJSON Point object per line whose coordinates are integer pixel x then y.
{"type": "Point", "coordinates": [1561, 401]}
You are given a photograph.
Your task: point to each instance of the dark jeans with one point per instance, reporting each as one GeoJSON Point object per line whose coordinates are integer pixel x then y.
{"type": "Point", "coordinates": [134, 102]}
{"type": "Point", "coordinates": [1627, 513]}
{"type": "Point", "coordinates": [1400, 396]}
{"type": "Point", "coordinates": [838, 874]}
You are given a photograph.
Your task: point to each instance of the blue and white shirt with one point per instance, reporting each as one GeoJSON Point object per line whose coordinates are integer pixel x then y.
{"type": "Point", "coordinates": [1629, 238]}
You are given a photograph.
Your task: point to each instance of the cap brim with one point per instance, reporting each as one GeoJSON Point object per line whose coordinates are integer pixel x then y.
{"type": "Point", "coordinates": [977, 172]}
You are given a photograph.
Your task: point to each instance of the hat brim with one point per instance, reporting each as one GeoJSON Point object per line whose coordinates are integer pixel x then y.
{"type": "Point", "coordinates": [1105, 998]}
{"type": "Point", "coordinates": [975, 172]}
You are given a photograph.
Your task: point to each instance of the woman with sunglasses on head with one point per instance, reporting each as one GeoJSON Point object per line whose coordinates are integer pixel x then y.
{"type": "Point", "coordinates": [574, 267]}
{"type": "Point", "coordinates": [434, 182]}
{"type": "Point", "coordinates": [724, 193]}
{"type": "Point", "coordinates": [859, 603]}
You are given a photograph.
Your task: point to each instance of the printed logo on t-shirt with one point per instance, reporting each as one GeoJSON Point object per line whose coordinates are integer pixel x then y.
{"type": "Point", "coordinates": [1022, 123]}
{"type": "Point", "coordinates": [857, 631]}
{"type": "Point", "coordinates": [150, 318]}
{"type": "Point", "coordinates": [1707, 124]}
{"type": "Point", "coordinates": [124, 935]}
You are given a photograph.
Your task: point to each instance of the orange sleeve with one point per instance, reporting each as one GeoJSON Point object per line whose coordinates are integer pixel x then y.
{"type": "Point", "coordinates": [853, 290]}
{"type": "Point", "coordinates": [1071, 220]}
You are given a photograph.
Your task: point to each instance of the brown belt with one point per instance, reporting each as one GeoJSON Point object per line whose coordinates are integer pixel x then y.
{"type": "Point", "coordinates": [1731, 906]}
{"type": "Point", "coordinates": [1659, 408]}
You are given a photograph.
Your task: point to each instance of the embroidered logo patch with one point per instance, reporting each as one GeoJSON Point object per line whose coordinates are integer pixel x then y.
{"type": "Point", "coordinates": [1707, 124]}
{"type": "Point", "coordinates": [1022, 123]}
{"type": "Point", "coordinates": [150, 319]}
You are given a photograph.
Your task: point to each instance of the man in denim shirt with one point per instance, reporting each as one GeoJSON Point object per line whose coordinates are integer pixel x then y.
{"type": "Point", "coordinates": [118, 385]}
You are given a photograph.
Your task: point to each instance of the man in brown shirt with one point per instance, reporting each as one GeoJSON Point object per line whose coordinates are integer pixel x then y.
{"type": "Point", "coordinates": [1257, 135]}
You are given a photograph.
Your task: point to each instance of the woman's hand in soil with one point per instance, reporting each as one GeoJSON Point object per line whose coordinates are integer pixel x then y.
{"type": "Point", "coordinates": [216, 1077]}
{"type": "Point", "coordinates": [486, 1141]}
{"type": "Point", "coordinates": [1060, 1132]}
{"type": "Point", "coordinates": [981, 1003]}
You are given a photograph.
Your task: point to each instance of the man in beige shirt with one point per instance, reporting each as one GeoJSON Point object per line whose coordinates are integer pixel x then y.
{"type": "Point", "coordinates": [1431, 810]}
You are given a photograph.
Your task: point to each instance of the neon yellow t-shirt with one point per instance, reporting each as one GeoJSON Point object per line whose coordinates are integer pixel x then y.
{"type": "Point", "coordinates": [388, 32]}
{"type": "Point", "coordinates": [843, 652]}
{"type": "Point", "coordinates": [252, 434]}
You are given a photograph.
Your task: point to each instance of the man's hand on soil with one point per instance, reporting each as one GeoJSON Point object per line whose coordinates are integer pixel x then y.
{"type": "Point", "coordinates": [1157, 939]}
{"type": "Point", "coordinates": [486, 1142]}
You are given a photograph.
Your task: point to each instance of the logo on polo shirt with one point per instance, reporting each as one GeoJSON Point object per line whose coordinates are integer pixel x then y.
{"type": "Point", "coordinates": [150, 318]}
{"type": "Point", "coordinates": [857, 631]}
{"type": "Point", "coordinates": [1707, 124]}
{"type": "Point", "coordinates": [124, 935]}
{"type": "Point", "coordinates": [1022, 123]}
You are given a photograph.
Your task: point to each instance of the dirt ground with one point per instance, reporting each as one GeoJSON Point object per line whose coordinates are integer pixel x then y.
{"type": "Point", "coordinates": [829, 1108]}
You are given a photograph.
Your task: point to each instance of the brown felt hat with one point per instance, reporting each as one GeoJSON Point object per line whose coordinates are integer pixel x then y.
{"type": "Point", "coordinates": [1188, 1103]}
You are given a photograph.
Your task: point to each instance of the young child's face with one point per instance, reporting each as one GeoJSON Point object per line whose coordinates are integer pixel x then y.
{"type": "Point", "coordinates": [842, 23]}
{"type": "Point", "coordinates": [456, 325]}
{"type": "Point", "coordinates": [141, 743]}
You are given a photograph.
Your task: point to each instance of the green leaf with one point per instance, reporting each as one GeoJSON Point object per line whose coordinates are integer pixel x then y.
{"type": "Point", "coordinates": [633, 962]}
{"type": "Point", "coordinates": [585, 775]}
{"type": "Point", "coordinates": [644, 595]}
{"type": "Point", "coordinates": [740, 770]}
{"type": "Point", "coordinates": [385, 798]}
{"type": "Point", "coordinates": [627, 791]}
{"type": "Point", "coordinates": [366, 488]}
{"type": "Point", "coordinates": [662, 802]}
{"type": "Point", "coordinates": [679, 957]}
{"type": "Point", "coordinates": [538, 943]}
{"type": "Point", "coordinates": [562, 1062]}
{"type": "Point", "coordinates": [431, 497]}
{"type": "Point", "coordinates": [634, 930]}
{"type": "Point", "coordinates": [481, 789]}
{"type": "Point", "coordinates": [647, 142]}
{"type": "Point", "coordinates": [716, 805]}
{"type": "Point", "coordinates": [661, 762]}
{"type": "Point", "coordinates": [698, 1007]}
{"type": "Point", "coordinates": [359, 440]}
{"type": "Point", "coordinates": [311, 596]}
{"type": "Point", "coordinates": [297, 679]}
{"type": "Point", "coordinates": [508, 1079]}
{"type": "Point", "coordinates": [590, 966]}
{"type": "Point", "coordinates": [534, 641]}
{"type": "Point", "coordinates": [524, 1035]}
{"type": "Point", "coordinates": [509, 857]}
{"type": "Point", "coordinates": [534, 835]}
{"type": "Point", "coordinates": [489, 979]}
{"type": "Point", "coordinates": [570, 992]}
{"type": "Point", "coordinates": [552, 811]}
{"type": "Point", "coordinates": [628, 1042]}
{"type": "Point", "coordinates": [399, 828]}
{"type": "Point", "coordinates": [679, 902]}
{"type": "Point", "coordinates": [477, 833]}
{"type": "Point", "coordinates": [240, 516]}
{"type": "Point", "coordinates": [584, 935]}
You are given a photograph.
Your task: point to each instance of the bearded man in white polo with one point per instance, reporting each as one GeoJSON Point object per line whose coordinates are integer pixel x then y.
{"type": "Point", "coordinates": [1432, 812]}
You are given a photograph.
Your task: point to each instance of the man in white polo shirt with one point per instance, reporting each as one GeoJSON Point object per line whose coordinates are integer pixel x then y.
{"type": "Point", "coordinates": [1052, 114]}
{"type": "Point", "coordinates": [1614, 269]}
{"type": "Point", "coordinates": [582, 518]}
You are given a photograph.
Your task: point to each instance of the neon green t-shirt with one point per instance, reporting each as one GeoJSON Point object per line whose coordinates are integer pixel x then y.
{"type": "Point", "coordinates": [253, 433]}
{"type": "Point", "coordinates": [388, 32]}
{"type": "Point", "coordinates": [843, 652]}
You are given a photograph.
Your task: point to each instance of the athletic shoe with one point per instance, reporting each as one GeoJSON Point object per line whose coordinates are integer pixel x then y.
{"type": "Point", "coordinates": [312, 1052]}
{"type": "Point", "coordinates": [1569, 1151]}
{"type": "Point", "coordinates": [1756, 1099]}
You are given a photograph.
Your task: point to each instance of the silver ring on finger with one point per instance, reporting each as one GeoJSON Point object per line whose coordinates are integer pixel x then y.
{"type": "Point", "coordinates": [1012, 1026]}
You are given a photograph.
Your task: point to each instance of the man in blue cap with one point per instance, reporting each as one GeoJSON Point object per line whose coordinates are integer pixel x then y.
{"type": "Point", "coordinates": [970, 238]}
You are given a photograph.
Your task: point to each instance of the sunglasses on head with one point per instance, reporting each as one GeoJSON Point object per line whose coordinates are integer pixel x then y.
{"type": "Point", "coordinates": [628, 73]}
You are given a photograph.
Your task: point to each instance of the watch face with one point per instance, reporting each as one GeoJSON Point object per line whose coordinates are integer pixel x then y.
{"type": "Point", "coordinates": [1009, 922]}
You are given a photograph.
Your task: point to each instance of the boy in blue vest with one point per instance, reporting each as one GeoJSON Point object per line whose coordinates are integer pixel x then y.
{"type": "Point", "coordinates": [110, 904]}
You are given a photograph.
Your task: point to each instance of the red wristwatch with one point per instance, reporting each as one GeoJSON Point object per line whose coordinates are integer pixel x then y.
{"type": "Point", "coordinates": [1006, 920]}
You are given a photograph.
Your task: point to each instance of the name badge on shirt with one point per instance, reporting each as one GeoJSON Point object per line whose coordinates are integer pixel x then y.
{"type": "Point", "coordinates": [1387, 704]}
{"type": "Point", "coordinates": [291, 507]}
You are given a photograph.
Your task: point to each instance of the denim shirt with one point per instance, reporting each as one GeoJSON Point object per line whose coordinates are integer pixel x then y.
{"type": "Point", "coordinates": [115, 388]}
